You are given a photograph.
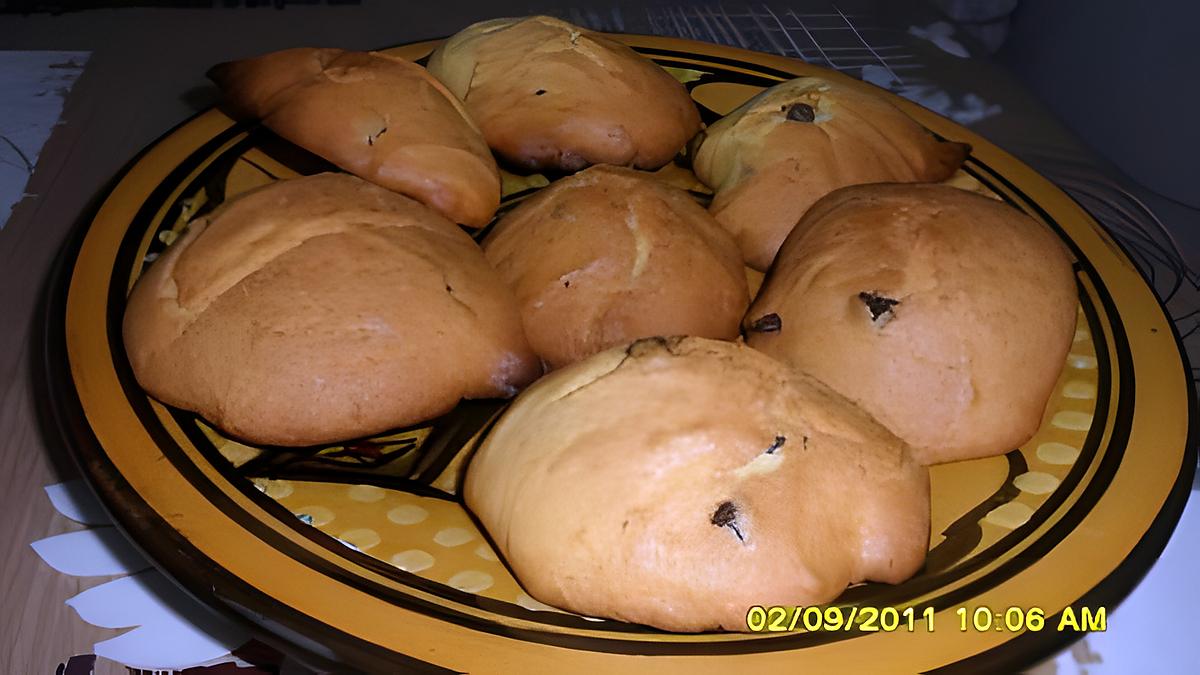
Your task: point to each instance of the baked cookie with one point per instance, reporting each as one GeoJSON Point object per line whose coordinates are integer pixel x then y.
{"type": "Point", "coordinates": [612, 254]}
{"type": "Point", "coordinates": [377, 116]}
{"type": "Point", "coordinates": [781, 151]}
{"type": "Point", "coordinates": [945, 314]}
{"type": "Point", "coordinates": [677, 482]}
{"type": "Point", "coordinates": [320, 309]}
{"type": "Point", "coordinates": [551, 95]}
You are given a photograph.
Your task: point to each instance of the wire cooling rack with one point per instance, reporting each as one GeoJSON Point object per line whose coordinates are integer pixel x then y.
{"type": "Point", "coordinates": [836, 39]}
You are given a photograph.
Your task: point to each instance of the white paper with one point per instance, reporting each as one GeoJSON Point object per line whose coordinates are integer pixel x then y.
{"type": "Point", "coordinates": [34, 86]}
{"type": "Point", "coordinates": [173, 646]}
{"type": "Point", "coordinates": [75, 500]}
{"type": "Point", "coordinates": [97, 552]}
{"type": "Point", "coordinates": [939, 34]}
{"type": "Point", "coordinates": [175, 631]}
{"type": "Point", "coordinates": [969, 110]}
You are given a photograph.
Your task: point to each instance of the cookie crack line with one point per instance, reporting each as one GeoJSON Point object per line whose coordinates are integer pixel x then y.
{"type": "Point", "coordinates": [642, 246]}
{"type": "Point", "coordinates": [635, 350]}
{"type": "Point", "coordinates": [194, 314]}
{"type": "Point", "coordinates": [454, 297]}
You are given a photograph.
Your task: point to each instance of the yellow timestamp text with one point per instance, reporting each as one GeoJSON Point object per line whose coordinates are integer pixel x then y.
{"type": "Point", "coordinates": [985, 619]}
{"type": "Point", "coordinates": [783, 619]}
{"type": "Point", "coordinates": [779, 619]}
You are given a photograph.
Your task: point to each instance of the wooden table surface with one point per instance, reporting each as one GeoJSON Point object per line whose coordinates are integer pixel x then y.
{"type": "Point", "coordinates": [38, 631]}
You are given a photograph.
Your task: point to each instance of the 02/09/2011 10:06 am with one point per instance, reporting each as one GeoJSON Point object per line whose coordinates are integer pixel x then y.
{"type": "Point", "coordinates": [780, 619]}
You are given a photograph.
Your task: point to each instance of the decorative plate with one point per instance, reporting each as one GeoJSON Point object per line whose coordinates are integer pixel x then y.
{"type": "Point", "coordinates": [362, 555]}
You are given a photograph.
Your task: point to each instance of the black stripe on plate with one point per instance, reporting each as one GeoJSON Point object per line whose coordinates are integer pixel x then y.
{"type": "Point", "coordinates": [1031, 647]}
{"type": "Point", "coordinates": [771, 75]}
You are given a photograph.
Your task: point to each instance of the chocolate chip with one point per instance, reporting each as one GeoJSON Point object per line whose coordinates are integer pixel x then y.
{"type": "Point", "coordinates": [768, 323]}
{"type": "Point", "coordinates": [567, 284]}
{"type": "Point", "coordinates": [877, 305]}
{"type": "Point", "coordinates": [779, 441]}
{"type": "Point", "coordinates": [539, 92]}
{"type": "Point", "coordinates": [726, 516]}
{"type": "Point", "coordinates": [371, 139]}
{"type": "Point", "coordinates": [801, 112]}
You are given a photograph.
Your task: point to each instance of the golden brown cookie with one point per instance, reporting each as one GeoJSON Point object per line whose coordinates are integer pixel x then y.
{"type": "Point", "coordinates": [321, 309]}
{"type": "Point", "coordinates": [945, 314]}
{"type": "Point", "coordinates": [611, 254]}
{"type": "Point", "coordinates": [551, 95]}
{"type": "Point", "coordinates": [677, 482]}
{"type": "Point", "coordinates": [784, 149]}
{"type": "Point", "coordinates": [377, 116]}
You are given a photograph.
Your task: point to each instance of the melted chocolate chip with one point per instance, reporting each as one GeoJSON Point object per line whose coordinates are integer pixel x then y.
{"type": "Point", "coordinates": [877, 305]}
{"type": "Point", "coordinates": [726, 516]}
{"type": "Point", "coordinates": [768, 323]}
{"type": "Point", "coordinates": [371, 139]}
{"type": "Point", "coordinates": [801, 112]}
{"type": "Point", "coordinates": [779, 441]}
{"type": "Point", "coordinates": [567, 284]}
{"type": "Point", "coordinates": [539, 92]}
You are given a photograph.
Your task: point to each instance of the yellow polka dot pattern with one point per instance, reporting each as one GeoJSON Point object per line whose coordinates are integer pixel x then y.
{"type": "Point", "coordinates": [1049, 455]}
{"type": "Point", "coordinates": [432, 538]}
{"type": "Point", "coordinates": [1009, 516]}
{"type": "Point", "coordinates": [1052, 452]}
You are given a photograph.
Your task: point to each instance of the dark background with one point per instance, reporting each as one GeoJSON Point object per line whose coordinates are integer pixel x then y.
{"type": "Point", "coordinates": [1121, 74]}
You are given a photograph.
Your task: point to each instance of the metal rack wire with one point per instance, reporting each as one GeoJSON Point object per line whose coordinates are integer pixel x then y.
{"type": "Point", "coordinates": [832, 39]}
